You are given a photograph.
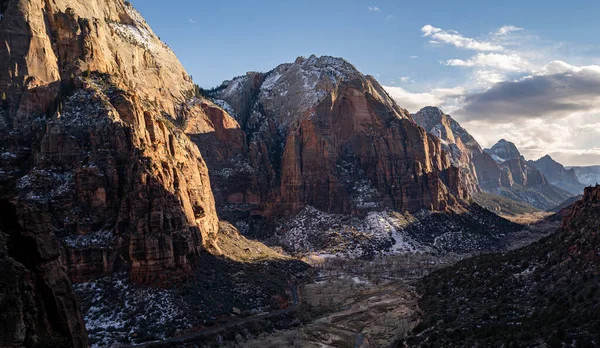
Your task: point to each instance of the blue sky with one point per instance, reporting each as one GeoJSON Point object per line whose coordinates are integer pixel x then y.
{"type": "Point", "coordinates": [445, 53]}
{"type": "Point", "coordinates": [216, 40]}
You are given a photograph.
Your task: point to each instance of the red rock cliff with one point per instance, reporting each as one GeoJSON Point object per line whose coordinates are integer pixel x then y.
{"type": "Point", "coordinates": [87, 126]}
{"type": "Point", "coordinates": [319, 133]}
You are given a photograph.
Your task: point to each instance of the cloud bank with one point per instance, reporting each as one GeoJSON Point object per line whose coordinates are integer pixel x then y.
{"type": "Point", "coordinates": [516, 90]}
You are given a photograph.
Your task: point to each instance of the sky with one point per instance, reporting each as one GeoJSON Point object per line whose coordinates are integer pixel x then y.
{"type": "Point", "coordinates": [526, 71]}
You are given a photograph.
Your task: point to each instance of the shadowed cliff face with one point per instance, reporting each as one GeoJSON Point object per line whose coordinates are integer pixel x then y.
{"type": "Point", "coordinates": [319, 133]}
{"type": "Point", "coordinates": [88, 135]}
{"type": "Point", "coordinates": [36, 298]}
{"type": "Point", "coordinates": [558, 175]}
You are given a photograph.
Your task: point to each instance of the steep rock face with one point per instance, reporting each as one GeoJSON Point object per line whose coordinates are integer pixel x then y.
{"type": "Point", "coordinates": [558, 175]}
{"type": "Point", "coordinates": [549, 288]}
{"type": "Point", "coordinates": [522, 181]}
{"type": "Point", "coordinates": [514, 168]}
{"type": "Point", "coordinates": [37, 301]}
{"type": "Point", "coordinates": [504, 150]}
{"type": "Point", "coordinates": [321, 134]}
{"type": "Point", "coordinates": [88, 135]}
{"type": "Point", "coordinates": [499, 170]}
{"type": "Point", "coordinates": [478, 169]}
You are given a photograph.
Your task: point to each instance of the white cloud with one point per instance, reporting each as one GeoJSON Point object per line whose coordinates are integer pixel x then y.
{"type": "Point", "coordinates": [513, 92]}
{"type": "Point", "coordinates": [374, 9]}
{"type": "Point", "coordinates": [506, 30]}
{"type": "Point", "coordinates": [390, 17]}
{"type": "Point", "coordinates": [404, 79]}
{"type": "Point", "coordinates": [414, 102]}
{"type": "Point", "coordinates": [504, 62]}
{"type": "Point", "coordinates": [192, 21]}
{"type": "Point", "coordinates": [454, 38]}
{"type": "Point", "coordinates": [538, 137]}
{"type": "Point", "coordinates": [414, 57]}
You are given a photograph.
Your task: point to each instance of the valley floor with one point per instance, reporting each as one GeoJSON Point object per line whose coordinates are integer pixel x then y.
{"type": "Point", "coordinates": [338, 302]}
{"type": "Point", "coordinates": [357, 303]}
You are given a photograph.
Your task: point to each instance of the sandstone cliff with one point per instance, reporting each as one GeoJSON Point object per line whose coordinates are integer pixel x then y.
{"type": "Point", "coordinates": [464, 150]}
{"type": "Point", "coordinates": [319, 133]}
{"type": "Point", "coordinates": [87, 126]}
{"type": "Point", "coordinates": [522, 181]}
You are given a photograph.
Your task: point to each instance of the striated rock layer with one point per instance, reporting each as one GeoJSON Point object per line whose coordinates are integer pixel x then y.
{"type": "Point", "coordinates": [319, 133]}
{"type": "Point", "coordinates": [87, 129]}
{"type": "Point", "coordinates": [464, 150]}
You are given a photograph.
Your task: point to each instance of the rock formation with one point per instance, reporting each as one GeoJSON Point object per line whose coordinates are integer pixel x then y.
{"type": "Point", "coordinates": [88, 135]}
{"type": "Point", "coordinates": [522, 181]}
{"type": "Point", "coordinates": [589, 175]}
{"type": "Point", "coordinates": [477, 168]}
{"type": "Point", "coordinates": [37, 301]}
{"type": "Point", "coordinates": [558, 175]}
{"type": "Point", "coordinates": [94, 156]}
{"type": "Point", "coordinates": [500, 170]}
{"type": "Point", "coordinates": [321, 134]}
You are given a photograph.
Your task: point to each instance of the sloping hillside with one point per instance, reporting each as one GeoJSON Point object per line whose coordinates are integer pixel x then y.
{"type": "Point", "coordinates": [545, 294]}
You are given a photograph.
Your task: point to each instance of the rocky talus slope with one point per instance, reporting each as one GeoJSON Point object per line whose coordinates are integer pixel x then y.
{"type": "Point", "coordinates": [545, 294]}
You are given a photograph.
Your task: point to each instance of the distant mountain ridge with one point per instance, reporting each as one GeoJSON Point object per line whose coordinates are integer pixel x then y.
{"type": "Point", "coordinates": [501, 169]}
{"type": "Point", "coordinates": [558, 175]}
{"type": "Point", "coordinates": [503, 151]}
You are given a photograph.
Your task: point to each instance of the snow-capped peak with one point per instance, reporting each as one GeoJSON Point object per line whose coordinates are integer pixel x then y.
{"type": "Point", "coordinates": [504, 150]}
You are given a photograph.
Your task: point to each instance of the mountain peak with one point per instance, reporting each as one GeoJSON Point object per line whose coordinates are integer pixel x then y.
{"type": "Point", "coordinates": [504, 150]}
{"type": "Point", "coordinates": [558, 175]}
{"type": "Point", "coordinates": [295, 89]}
{"type": "Point", "coordinates": [431, 109]}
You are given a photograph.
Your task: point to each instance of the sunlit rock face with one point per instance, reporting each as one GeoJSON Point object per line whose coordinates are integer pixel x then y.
{"type": "Point", "coordinates": [476, 168]}
{"type": "Point", "coordinates": [321, 134]}
{"type": "Point", "coordinates": [91, 100]}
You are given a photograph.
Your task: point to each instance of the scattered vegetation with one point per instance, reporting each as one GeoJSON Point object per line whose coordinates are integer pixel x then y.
{"type": "Point", "coordinates": [502, 205]}
{"type": "Point", "coordinates": [542, 295]}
